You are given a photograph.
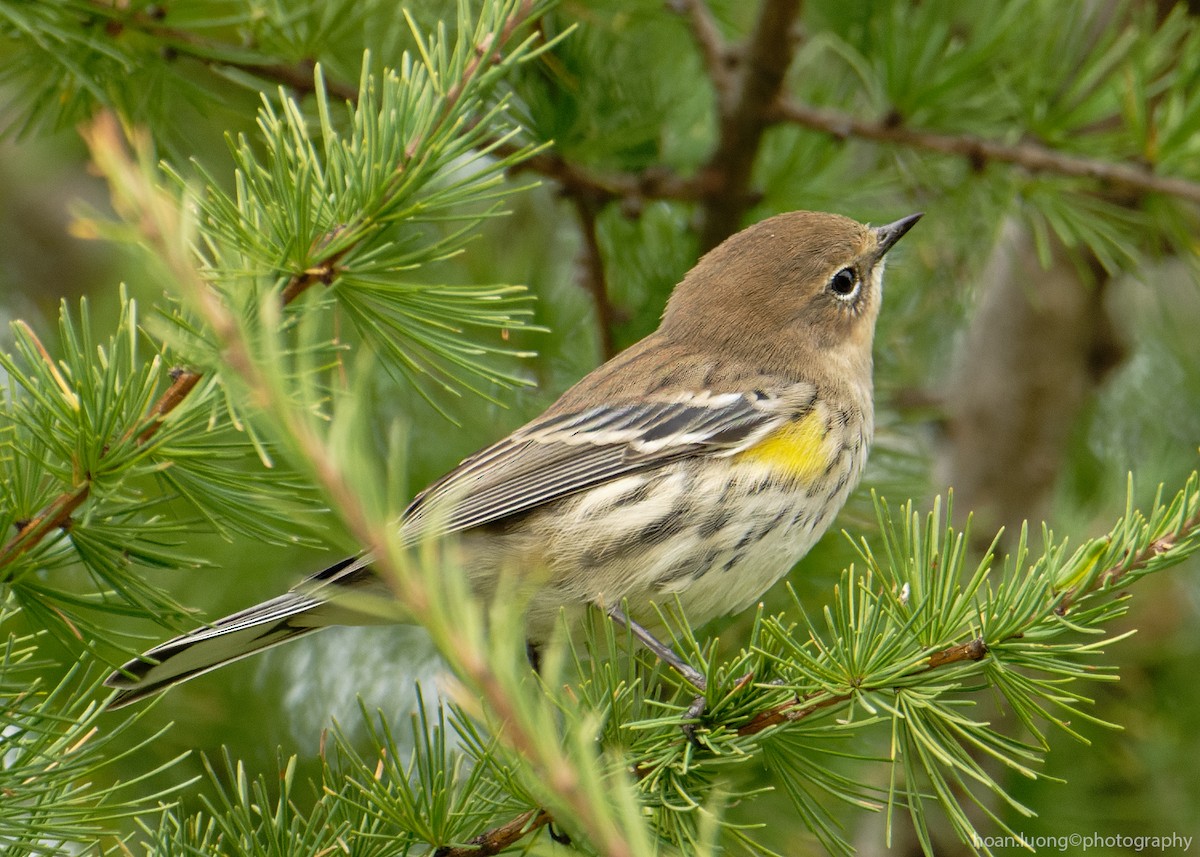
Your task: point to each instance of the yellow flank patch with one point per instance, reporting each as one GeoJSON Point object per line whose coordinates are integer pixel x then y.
{"type": "Point", "coordinates": [798, 450]}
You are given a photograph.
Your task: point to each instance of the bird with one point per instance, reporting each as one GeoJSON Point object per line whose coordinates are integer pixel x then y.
{"type": "Point", "coordinates": [700, 464]}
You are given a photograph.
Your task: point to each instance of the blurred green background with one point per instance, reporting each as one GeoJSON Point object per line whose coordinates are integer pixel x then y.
{"type": "Point", "coordinates": [627, 93]}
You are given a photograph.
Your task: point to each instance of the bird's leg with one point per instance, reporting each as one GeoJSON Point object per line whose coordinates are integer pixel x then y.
{"type": "Point", "coordinates": [660, 649]}
{"type": "Point", "coordinates": [667, 655]}
{"type": "Point", "coordinates": [533, 653]}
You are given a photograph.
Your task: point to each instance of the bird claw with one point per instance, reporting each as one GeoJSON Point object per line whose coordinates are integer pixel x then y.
{"type": "Point", "coordinates": [694, 712]}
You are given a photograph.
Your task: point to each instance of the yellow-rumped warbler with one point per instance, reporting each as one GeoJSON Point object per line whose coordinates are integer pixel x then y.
{"type": "Point", "coordinates": [701, 463]}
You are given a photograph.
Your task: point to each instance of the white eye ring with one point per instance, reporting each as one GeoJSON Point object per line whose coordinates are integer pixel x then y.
{"type": "Point", "coordinates": [845, 284]}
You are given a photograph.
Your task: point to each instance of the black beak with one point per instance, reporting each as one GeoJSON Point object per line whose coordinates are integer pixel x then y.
{"type": "Point", "coordinates": [893, 232]}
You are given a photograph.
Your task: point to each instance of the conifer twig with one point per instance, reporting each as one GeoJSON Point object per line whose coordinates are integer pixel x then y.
{"type": "Point", "coordinates": [1113, 576]}
{"type": "Point", "coordinates": [661, 184]}
{"type": "Point", "coordinates": [630, 188]}
{"type": "Point", "coordinates": [1034, 157]}
{"type": "Point", "coordinates": [214, 54]}
{"type": "Point", "coordinates": [57, 514]}
{"type": "Point", "coordinates": [977, 649]}
{"type": "Point", "coordinates": [497, 839]}
{"type": "Point", "coordinates": [594, 278]}
{"type": "Point", "coordinates": [718, 59]}
{"type": "Point", "coordinates": [183, 381]}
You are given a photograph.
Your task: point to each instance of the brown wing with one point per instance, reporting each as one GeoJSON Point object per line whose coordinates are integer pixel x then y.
{"type": "Point", "coordinates": [557, 456]}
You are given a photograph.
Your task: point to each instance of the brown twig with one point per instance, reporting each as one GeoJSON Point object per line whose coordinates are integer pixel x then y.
{"type": "Point", "coordinates": [1033, 157]}
{"type": "Point", "coordinates": [325, 271]}
{"type": "Point", "coordinates": [629, 188]}
{"type": "Point", "coordinates": [592, 262]}
{"type": "Point", "coordinates": [58, 512]}
{"type": "Point", "coordinates": [790, 712]}
{"type": "Point", "coordinates": [56, 516]}
{"type": "Point", "coordinates": [798, 709]}
{"type": "Point", "coordinates": [743, 119]}
{"type": "Point", "coordinates": [297, 76]}
{"type": "Point", "coordinates": [718, 59]}
{"type": "Point", "coordinates": [498, 838]}
{"type": "Point", "coordinates": [973, 650]}
{"type": "Point", "coordinates": [183, 381]}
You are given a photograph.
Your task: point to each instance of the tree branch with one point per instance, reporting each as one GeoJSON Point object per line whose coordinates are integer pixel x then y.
{"type": "Point", "coordinates": [297, 76]}
{"type": "Point", "coordinates": [718, 59]}
{"type": "Point", "coordinates": [1034, 157]}
{"type": "Point", "coordinates": [592, 261]}
{"type": "Point", "coordinates": [183, 381]}
{"type": "Point", "coordinates": [629, 188]}
{"type": "Point", "coordinates": [499, 838]}
{"type": "Point", "coordinates": [56, 516]}
{"type": "Point", "coordinates": [978, 649]}
{"type": "Point", "coordinates": [744, 118]}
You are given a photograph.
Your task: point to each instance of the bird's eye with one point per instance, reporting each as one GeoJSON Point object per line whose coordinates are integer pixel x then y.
{"type": "Point", "coordinates": [844, 284]}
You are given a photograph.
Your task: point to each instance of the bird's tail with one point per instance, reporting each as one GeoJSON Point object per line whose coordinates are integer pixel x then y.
{"type": "Point", "coordinates": [239, 635]}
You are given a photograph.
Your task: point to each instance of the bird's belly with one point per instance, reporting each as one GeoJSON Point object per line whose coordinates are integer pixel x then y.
{"type": "Point", "coordinates": [715, 539]}
{"type": "Point", "coordinates": [776, 525]}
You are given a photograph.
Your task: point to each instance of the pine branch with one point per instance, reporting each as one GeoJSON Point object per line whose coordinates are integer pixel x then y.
{"type": "Point", "coordinates": [498, 839]}
{"type": "Point", "coordinates": [977, 649]}
{"type": "Point", "coordinates": [772, 54]}
{"type": "Point", "coordinates": [183, 381]}
{"type": "Point", "coordinates": [159, 220]}
{"type": "Point", "coordinates": [56, 516]}
{"type": "Point", "coordinates": [1034, 157]}
{"type": "Point", "coordinates": [792, 712]}
{"type": "Point", "coordinates": [651, 184]}
{"type": "Point", "coordinates": [324, 272]}
{"type": "Point", "coordinates": [58, 513]}
{"type": "Point", "coordinates": [1111, 577]}
{"type": "Point", "coordinates": [588, 190]}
